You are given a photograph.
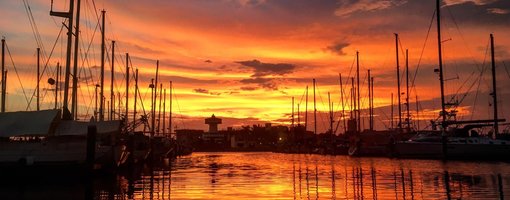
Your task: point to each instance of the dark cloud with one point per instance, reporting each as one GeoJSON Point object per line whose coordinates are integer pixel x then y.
{"type": "Point", "coordinates": [201, 90]}
{"type": "Point", "coordinates": [266, 83]}
{"type": "Point", "coordinates": [206, 91]}
{"type": "Point", "coordinates": [248, 88]}
{"type": "Point", "coordinates": [338, 47]}
{"type": "Point", "coordinates": [265, 69]}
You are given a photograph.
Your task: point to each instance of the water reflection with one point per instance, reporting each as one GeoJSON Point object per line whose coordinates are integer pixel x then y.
{"type": "Point", "coordinates": [280, 176]}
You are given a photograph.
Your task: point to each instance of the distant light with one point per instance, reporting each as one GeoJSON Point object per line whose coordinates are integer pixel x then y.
{"type": "Point", "coordinates": [280, 139]}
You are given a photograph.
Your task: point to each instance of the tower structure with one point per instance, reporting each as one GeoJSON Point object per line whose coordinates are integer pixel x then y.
{"type": "Point", "coordinates": [213, 123]}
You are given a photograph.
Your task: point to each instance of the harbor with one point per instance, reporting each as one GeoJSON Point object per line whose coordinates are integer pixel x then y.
{"type": "Point", "coordinates": [167, 100]}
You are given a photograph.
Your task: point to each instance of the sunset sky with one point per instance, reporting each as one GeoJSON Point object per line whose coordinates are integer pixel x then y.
{"type": "Point", "coordinates": [243, 60]}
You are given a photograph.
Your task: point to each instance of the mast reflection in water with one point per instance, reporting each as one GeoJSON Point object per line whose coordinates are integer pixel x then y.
{"type": "Point", "coordinates": [285, 176]}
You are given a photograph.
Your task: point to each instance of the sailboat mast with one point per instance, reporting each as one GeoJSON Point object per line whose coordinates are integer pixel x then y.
{"type": "Point", "coordinates": [69, 16]}
{"type": "Point", "coordinates": [74, 95]}
{"type": "Point", "coordinates": [399, 125]}
{"type": "Point", "coordinates": [127, 88]}
{"type": "Point", "coordinates": [155, 93]}
{"type": "Point", "coordinates": [56, 85]}
{"type": "Point", "coordinates": [358, 110]}
{"type": "Point", "coordinates": [101, 93]}
{"type": "Point", "coordinates": [372, 102]}
{"type": "Point", "coordinates": [298, 116]}
{"type": "Point", "coordinates": [440, 59]}
{"type": "Point", "coordinates": [170, 114]}
{"type": "Point", "coordinates": [117, 117]}
{"type": "Point", "coordinates": [159, 109]}
{"type": "Point", "coordinates": [38, 77]}
{"type": "Point", "coordinates": [4, 89]}
{"type": "Point", "coordinates": [306, 109]}
{"type": "Point", "coordinates": [314, 110]}
{"type": "Point", "coordinates": [407, 92]}
{"type": "Point", "coordinates": [3, 77]}
{"type": "Point", "coordinates": [112, 75]}
{"type": "Point", "coordinates": [342, 99]}
{"type": "Point", "coordinates": [96, 98]}
{"type": "Point", "coordinates": [494, 89]}
{"type": "Point", "coordinates": [136, 97]}
{"type": "Point", "coordinates": [153, 121]}
{"type": "Point", "coordinates": [330, 114]}
{"type": "Point", "coordinates": [369, 102]}
{"type": "Point", "coordinates": [353, 101]}
{"type": "Point", "coordinates": [164, 112]}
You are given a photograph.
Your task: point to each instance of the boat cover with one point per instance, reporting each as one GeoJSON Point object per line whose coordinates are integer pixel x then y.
{"type": "Point", "coordinates": [80, 128]}
{"type": "Point", "coordinates": [28, 123]}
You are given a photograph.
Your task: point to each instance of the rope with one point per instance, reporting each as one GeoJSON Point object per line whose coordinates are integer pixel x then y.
{"type": "Point", "coordinates": [17, 74]}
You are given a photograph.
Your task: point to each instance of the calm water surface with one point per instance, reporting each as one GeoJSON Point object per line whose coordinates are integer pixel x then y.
{"type": "Point", "coordinates": [286, 176]}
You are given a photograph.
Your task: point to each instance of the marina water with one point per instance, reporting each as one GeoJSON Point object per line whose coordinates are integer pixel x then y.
{"type": "Point", "coordinates": [265, 175]}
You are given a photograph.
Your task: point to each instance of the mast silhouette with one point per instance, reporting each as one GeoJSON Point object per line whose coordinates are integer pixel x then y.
{"type": "Point", "coordinates": [170, 114]}
{"type": "Point", "coordinates": [164, 111]}
{"type": "Point", "coordinates": [155, 92]}
{"type": "Point", "coordinates": [101, 93]}
{"type": "Point", "coordinates": [112, 75]}
{"type": "Point", "coordinates": [342, 99]}
{"type": "Point", "coordinates": [441, 81]}
{"type": "Point", "coordinates": [330, 114]}
{"type": "Point", "coordinates": [153, 114]}
{"type": "Point", "coordinates": [440, 60]}
{"type": "Point", "coordinates": [3, 77]}
{"type": "Point", "coordinates": [353, 100]}
{"type": "Point", "coordinates": [314, 110]}
{"type": "Point", "coordinates": [4, 89]}
{"type": "Point", "coordinates": [136, 97]}
{"type": "Point", "coordinates": [69, 16]}
{"type": "Point", "coordinates": [358, 112]}
{"type": "Point", "coordinates": [306, 109]}
{"type": "Point", "coordinates": [408, 121]}
{"type": "Point", "coordinates": [494, 89]}
{"type": "Point", "coordinates": [127, 88]}
{"type": "Point", "coordinates": [372, 102]}
{"type": "Point", "coordinates": [96, 98]}
{"type": "Point", "coordinates": [74, 95]}
{"type": "Point", "coordinates": [159, 108]}
{"type": "Point", "coordinates": [298, 116]}
{"type": "Point", "coordinates": [38, 78]}
{"type": "Point", "coordinates": [399, 125]}
{"type": "Point", "coordinates": [369, 103]}
{"type": "Point", "coordinates": [56, 85]}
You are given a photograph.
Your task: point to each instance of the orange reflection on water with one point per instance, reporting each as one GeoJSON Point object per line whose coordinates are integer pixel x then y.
{"type": "Point", "coordinates": [286, 176]}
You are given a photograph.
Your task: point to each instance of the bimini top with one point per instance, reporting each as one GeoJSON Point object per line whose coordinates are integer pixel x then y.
{"type": "Point", "coordinates": [80, 128]}
{"type": "Point", "coordinates": [28, 123]}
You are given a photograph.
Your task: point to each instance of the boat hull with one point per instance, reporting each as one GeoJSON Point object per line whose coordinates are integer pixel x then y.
{"type": "Point", "coordinates": [434, 150]}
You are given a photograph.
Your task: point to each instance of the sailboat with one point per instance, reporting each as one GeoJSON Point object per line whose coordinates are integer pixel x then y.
{"type": "Point", "coordinates": [457, 142]}
{"type": "Point", "coordinates": [50, 141]}
{"type": "Point", "coordinates": [53, 137]}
